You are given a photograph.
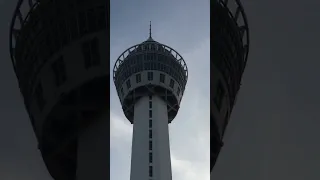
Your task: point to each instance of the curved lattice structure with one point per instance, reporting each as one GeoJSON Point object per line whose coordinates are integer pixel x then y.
{"type": "Point", "coordinates": [133, 70]}
{"type": "Point", "coordinates": [58, 54]}
{"type": "Point", "coordinates": [229, 54]}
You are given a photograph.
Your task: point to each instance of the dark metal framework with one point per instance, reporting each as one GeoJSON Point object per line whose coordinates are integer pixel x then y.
{"type": "Point", "coordinates": [231, 43]}
{"type": "Point", "coordinates": [15, 28]}
{"type": "Point", "coordinates": [237, 14]}
{"type": "Point", "coordinates": [144, 48]}
{"type": "Point", "coordinates": [230, 49]}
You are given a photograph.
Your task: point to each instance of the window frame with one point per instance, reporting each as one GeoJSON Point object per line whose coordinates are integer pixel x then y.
{"type": "Point", "coordinates": [162, 78]}
{"type": "Point", "coordinates": [138, 78]}
{"type": "Point", "coordinates": [171, 83]}
{"type": "Point", "coordinates": [150, 76]}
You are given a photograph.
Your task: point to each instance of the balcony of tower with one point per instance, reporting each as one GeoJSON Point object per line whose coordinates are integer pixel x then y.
{"type": "Point", "coordinates": [132, 76]}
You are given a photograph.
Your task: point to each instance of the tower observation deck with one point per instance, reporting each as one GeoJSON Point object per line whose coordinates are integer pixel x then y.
{"type": "Point", "coordinates": [229, 54]}
{"type": "Point", "coordinates": [59, 52]}
{"type": "Point", "coordinates": [150, 79]}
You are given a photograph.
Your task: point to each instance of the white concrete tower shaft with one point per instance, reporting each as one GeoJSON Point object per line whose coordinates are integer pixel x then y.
{"type": "Point", "coordinates": [150, 143]}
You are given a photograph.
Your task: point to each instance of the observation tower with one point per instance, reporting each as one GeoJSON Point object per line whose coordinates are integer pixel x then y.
{"type": "Point", "coordinates": [60, 54]}
{"type": "Point", "coordinates": [150, 79]}
{"type": "Point", "coordinates": [229, 54]}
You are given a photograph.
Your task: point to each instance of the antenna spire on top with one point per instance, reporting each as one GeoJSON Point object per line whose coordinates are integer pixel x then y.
{"type": "Point", "coordinates": [150, 30]}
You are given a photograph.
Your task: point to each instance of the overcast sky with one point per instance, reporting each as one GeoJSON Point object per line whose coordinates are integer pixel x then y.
{"type": "Point", "coordinates": [274, 127]}
{"type": "Point", "coordinates": [183, 25]}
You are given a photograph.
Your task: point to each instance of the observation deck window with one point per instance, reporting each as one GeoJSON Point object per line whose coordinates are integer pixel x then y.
{"type": "Point", "coordinates": [138, 78]}
{"type": "Point", "coordinates": [171, 83]}
{"type": "Point", "coordinates": [162, 78]}
{"type": "Point", "coordinates": [152, 47]}
{"type": "Point", "coordinates": [150, 76]}
{"type": "Point", "coordinates": [139, 57]}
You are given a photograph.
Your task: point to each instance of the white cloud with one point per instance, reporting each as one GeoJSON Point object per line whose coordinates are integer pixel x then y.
{"type": "Point", "coordinates": [190, 131]}
{"type": "Point", "coordinates": [119, 127]}
{"type": "Point", "coordinates": [187, 170]}
{"type": "Point", "coordinates": [120, 147]}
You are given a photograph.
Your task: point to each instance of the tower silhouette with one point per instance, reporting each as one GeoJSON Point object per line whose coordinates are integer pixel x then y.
{"type": "Point", "coordinates": [229, 54]}
{"type": "Point", "coordinates": [59, 51]}
{"type": "Point", "coordinates": [150, 79]}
